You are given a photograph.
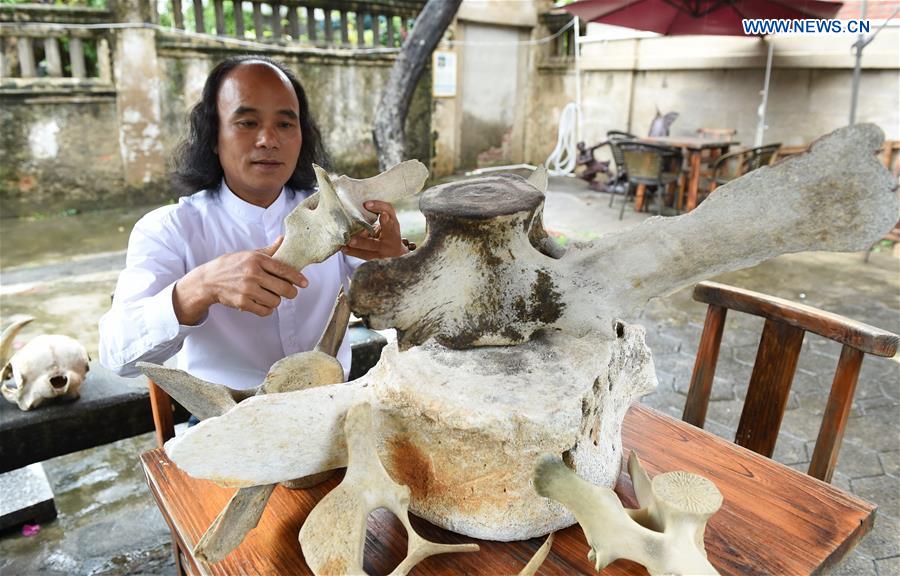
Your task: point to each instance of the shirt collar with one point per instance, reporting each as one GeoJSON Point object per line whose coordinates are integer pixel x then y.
{"type": "Point", "coordinates": [251, 212]}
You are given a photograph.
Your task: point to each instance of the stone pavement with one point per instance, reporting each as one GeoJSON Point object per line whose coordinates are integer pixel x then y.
{"type": "Point", "coordinates": [108, 523]}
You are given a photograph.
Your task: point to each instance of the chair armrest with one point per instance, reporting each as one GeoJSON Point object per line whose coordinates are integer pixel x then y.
{"type": "Point", "coordinates": [859, 335]}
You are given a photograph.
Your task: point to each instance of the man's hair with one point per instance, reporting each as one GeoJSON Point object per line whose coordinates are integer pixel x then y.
{"type": "Point", "coordinates": [197, 166]}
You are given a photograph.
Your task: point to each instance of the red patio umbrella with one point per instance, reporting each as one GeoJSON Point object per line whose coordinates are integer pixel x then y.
{"type": "Point", "coordinates": [681, 17]}
{"type": "Point", "coordinates": [701, 17]}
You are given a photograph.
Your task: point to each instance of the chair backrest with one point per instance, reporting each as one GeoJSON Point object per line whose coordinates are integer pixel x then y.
{"type": "Point", "coordinates": [735, 164]}
{"type": "Point", "coordinates": [776, 360]}
{"type": "Point", "coordinates": [613, 137]}
{"type": "Point", "coordinates": [644, 162]}
{"type": "Point", "coordinates": [716, 133]}
{"type": "Point", "coordinates": [761, 156]}
{"type": "Point", "coordinates": [620, 135]}
{"type": "Point", "coordinates": [163, 409]}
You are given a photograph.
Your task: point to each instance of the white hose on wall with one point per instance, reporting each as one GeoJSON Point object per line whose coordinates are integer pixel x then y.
{"type": "Point", "coordinates": [562, 160]}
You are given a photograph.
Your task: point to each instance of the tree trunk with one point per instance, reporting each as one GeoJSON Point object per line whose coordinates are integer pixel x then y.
{"type": "Point", "coordinates": [390, 140]}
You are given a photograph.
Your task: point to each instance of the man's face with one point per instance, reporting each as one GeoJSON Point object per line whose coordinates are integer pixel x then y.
{"type": "Point", "coordinates": [259, 131]}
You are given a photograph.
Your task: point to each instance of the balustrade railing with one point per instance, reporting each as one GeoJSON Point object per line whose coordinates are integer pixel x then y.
{"type": "Point", "coordinates": [54, 44]}
{"type": "Point", "coordinates": [324, 23]}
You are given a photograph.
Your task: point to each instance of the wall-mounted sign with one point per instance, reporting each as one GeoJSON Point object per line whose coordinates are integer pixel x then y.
{"type": "Point", "coordinates": [444, 73]}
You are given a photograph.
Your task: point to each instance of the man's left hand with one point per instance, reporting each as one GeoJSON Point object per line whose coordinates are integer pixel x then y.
{"type": "Point", "coordinates": [385, 242]}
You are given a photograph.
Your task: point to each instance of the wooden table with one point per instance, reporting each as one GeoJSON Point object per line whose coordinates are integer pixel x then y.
{"type": "Point", "coordinates": [693, 148]}
{"type": "Point", "coordinates": [774, 520]}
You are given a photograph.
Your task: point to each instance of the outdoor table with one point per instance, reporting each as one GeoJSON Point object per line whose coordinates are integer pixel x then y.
{"type": "Point", "coordinates": [693, 148]}
{"type": "Point", "coordinates": [774, 520]}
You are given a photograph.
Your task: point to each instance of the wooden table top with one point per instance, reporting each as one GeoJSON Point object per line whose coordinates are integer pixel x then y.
{"type": "Point", "coordinates": [774, 520]}
{"type": "Point", "coordinates": [690, 142]}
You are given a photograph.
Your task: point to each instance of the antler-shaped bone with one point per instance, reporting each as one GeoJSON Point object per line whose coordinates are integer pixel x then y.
{"type": "Point", "coordinates": [665, 534]}
{"type": "Point", "coordinates": [484, 275]}
{"type": "Point", "coordinates": [333, 536]}
{"type": "Point", "coordinates": [207, 400]}
{"type": "Point", "coordinates": [325, 221]}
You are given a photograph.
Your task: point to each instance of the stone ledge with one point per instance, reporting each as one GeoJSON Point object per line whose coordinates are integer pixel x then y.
{"type": "Point", "coordinates": [112, 408]}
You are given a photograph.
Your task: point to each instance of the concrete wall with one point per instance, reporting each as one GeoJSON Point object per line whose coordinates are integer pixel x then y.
{"type": "Point", "coordinates": [343, 93]}
{"type": "Point", "coordinates": [72, 143]}
{"type": "Point", "coordinates": [58, 153]}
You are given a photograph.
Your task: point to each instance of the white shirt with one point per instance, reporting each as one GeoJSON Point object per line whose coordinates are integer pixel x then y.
{"type": "Point", "coordinates": [228, 347]}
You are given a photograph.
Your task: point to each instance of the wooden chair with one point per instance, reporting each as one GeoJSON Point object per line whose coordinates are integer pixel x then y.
{"type": "Point", "coordinates": [649, 165]}
{"type": "Point", "coordinates": [735, 164]}
{"type": "Point", "coordinates": [776, 361]}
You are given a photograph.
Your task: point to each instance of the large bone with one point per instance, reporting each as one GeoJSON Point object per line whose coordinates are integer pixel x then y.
{"type": "Point", "coordinates": [462, 428]}
{"type": "Point", "coordinates": [321, 224]}
{"type": "Point", "coordinates": [333, 536]}
{"type": "Point", "coordinates": [484, 277]}
{"type": "Point", "coordinates": [206, 400]}
{"type": "Point", "coordinates": [665, 534]}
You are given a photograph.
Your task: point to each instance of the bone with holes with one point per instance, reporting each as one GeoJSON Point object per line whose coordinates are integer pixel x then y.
{"type": "Point", "coordinates": [665, 534]}
{"type": "Point", "coordinates": [49, 367]}
{"type": "Point", "coordinates": [325, 221]}
{"type": "Point", "coordinates": [460, 418]}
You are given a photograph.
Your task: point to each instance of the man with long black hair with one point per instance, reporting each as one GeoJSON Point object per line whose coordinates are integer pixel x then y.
{"type": "Point", "coordinates": [200, 280]}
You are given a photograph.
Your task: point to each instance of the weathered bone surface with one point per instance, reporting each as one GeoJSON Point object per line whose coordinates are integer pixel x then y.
{"type": "Point", "coordinates": [481, 278]}
{"type": "Point", "coordinates": [325, 221]}
{"type": "Point", "coordinates": [48, 367]}
{"type": "Point", "coordinates": [556, 394]}
{"type": "Point", "coordinates": [333, 536]}
{"type": "Point", "coordinates": [665, 534]}
{"type": "Point", "coordinates": [207, 400]}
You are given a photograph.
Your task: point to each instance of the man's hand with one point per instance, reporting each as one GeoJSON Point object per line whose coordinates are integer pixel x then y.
{"type": "Point", "coordinates": [385, 242]}
{"type": "Point", "coordinates": [248, 281]}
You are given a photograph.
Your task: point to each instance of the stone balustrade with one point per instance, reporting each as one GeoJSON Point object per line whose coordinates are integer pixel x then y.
{"type": "Point", "coordinates": [324, 23]}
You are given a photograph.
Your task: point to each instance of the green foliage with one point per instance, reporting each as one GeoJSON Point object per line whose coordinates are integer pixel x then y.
{"type": "Point", "coordinates": [83, 3]}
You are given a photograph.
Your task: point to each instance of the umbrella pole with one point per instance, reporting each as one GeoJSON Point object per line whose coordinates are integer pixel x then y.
{"type": "Point", "coordinates": [577, 80]}
{"type": "Point", "coordinates": [857, 68]}
{"type": "Point", "coordinates": [761, 127]}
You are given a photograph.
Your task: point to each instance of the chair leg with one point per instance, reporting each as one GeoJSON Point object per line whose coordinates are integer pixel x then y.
{"type": "Point", "coordinates": [624, 202]}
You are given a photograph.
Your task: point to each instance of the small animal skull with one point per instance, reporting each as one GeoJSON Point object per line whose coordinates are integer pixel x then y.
{"type": "Point", "coordinates": [48, 366]}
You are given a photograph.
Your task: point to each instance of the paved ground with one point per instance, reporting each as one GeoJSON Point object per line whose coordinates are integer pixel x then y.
{"type": "Point", "coordinates": [109, 525]}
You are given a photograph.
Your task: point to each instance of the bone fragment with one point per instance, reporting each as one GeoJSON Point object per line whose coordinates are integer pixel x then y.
{"type": "Point", "coordinates": [334, 332]}
{"type": "Point", "coordinates": [665, 535]}
{"type": "Point", "coordinates": [487, 275]}
{"type": "Point", "coordinates": [304, 428]}
{"type": "Point", "coordinates": [227, 531]}
{"type": "Point", "coordinates": [296, 372]}
{"type": "Point", "coordinates": [325, 221]}
{"type": "Point", "coordinates": [531, 568]}
{"type": "Point", "coordinates": [333, 536]}
{"type": "Point", "coordinates": [201, 398]}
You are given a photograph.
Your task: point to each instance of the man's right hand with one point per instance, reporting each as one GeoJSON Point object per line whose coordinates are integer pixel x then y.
{"type": "Point", "coordinates": [249, 281]}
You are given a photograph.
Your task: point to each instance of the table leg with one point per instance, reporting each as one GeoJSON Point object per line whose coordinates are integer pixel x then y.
{"type": "Point", "coordinates": [639, 197]}
{"type": "Point", "coordinates": [694, 181]}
